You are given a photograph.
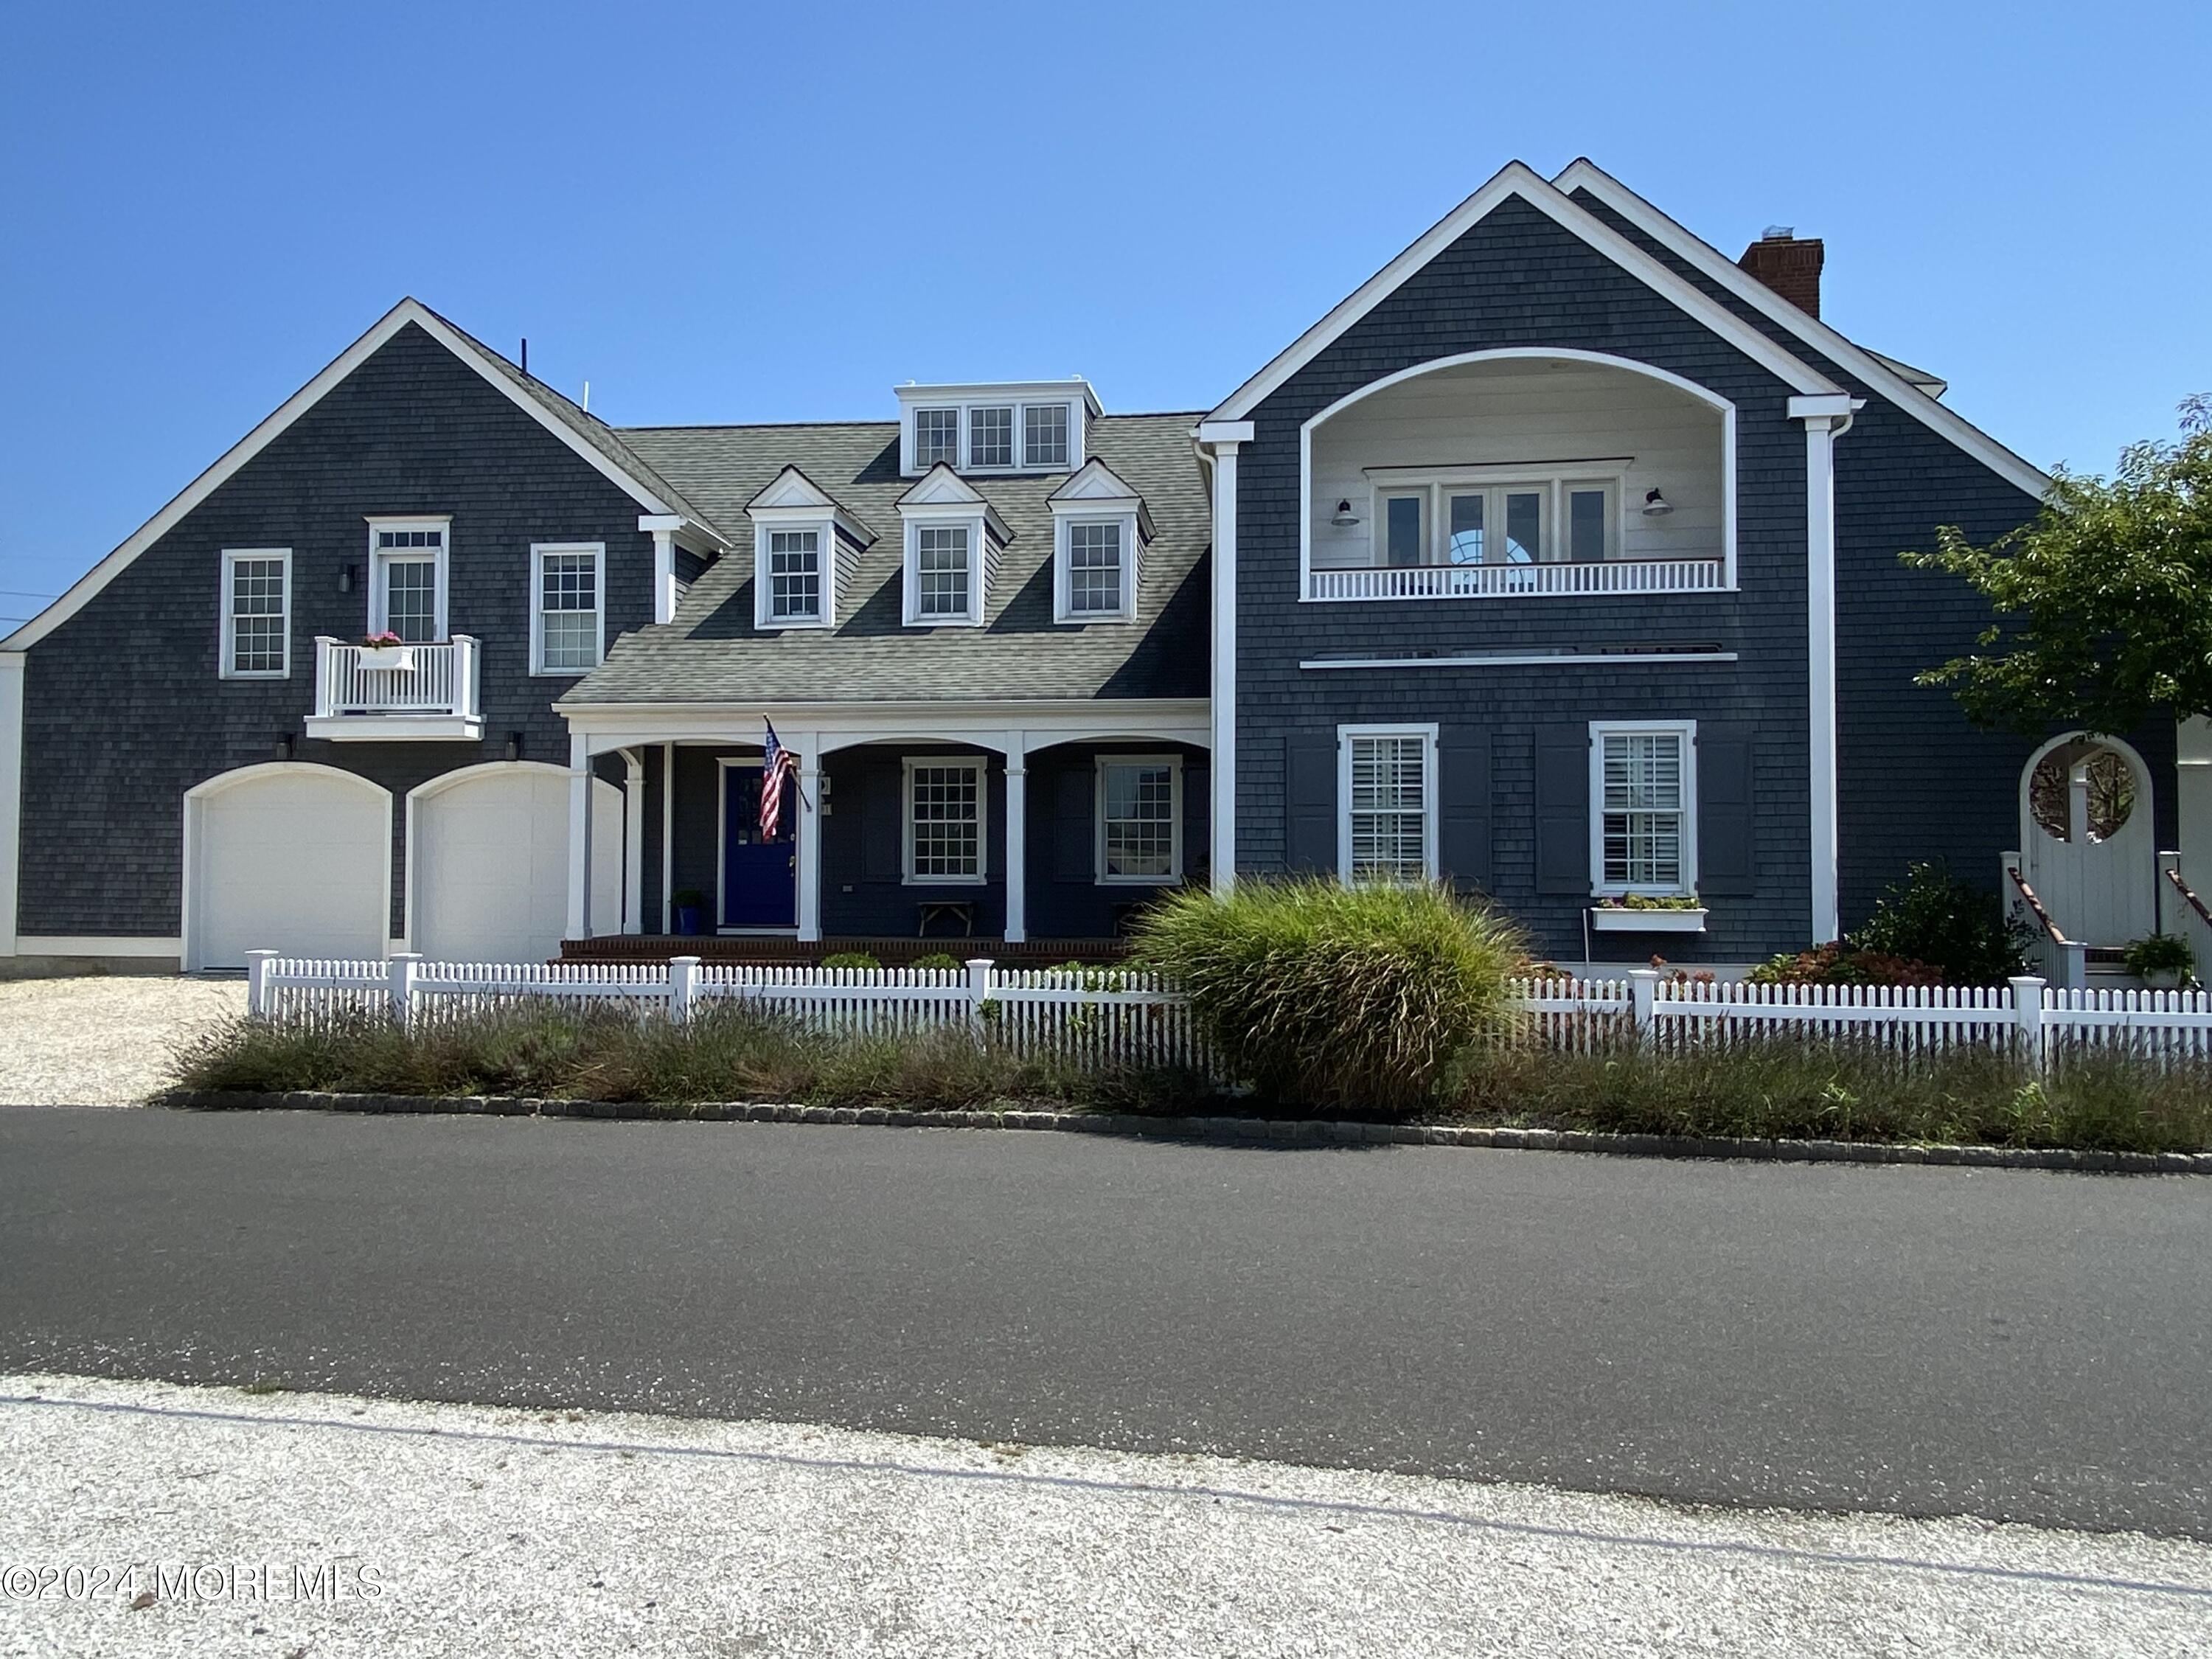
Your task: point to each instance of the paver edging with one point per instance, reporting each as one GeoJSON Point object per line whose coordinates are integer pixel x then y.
{"type": "Point", "coordinates": [1235, 1131]}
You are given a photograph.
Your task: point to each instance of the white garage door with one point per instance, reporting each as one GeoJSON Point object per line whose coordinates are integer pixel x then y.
{"type": "Point", "coordinates": [295, 861]}
{"type": "Point", "coordinates": [491, 869]}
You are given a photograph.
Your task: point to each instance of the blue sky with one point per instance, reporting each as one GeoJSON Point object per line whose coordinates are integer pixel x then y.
{"type": "Point", "coordinates": [740, 212]}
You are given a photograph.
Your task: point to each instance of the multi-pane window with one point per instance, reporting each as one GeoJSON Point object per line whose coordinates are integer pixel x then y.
{"type": "Point", "coordinates": [944, 820]}
{"type": "Point", "coordinates": [794, 575]}
{"type": "Point", "coordinates": [407, 562]}
{"type": "Point", "coordinates": [991, 436]}
{"type": "Point", "coordinates": [1137, 821]}
{"type": "Point", "coordinates": [936, 437]}
{"type": "Point", "coordinates": [256, 613]}
{"type": "Point", "coordinates": [1540, 521]}
{"type": "Point", "coordinates": [1388, 815]}
{"type": "Point", "coordinates": [1044, 435]}
{"type": "Point", "coordinates": [1644, 784]}
{"type": "Point", "coordinates": [1094, 568]}
{"type": "Point", "coordinates": [941, 571]}
{"type": "Point", "coordinates": [567, 609]}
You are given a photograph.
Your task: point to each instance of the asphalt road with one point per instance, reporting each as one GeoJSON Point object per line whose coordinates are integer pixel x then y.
{"type": "Point", "coordinates": [2020, 1345]}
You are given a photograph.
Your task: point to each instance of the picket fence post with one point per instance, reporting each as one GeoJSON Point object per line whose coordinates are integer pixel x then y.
{"type": "Point", "coordinates": [257, 982]}
{"type": "Point", "coordinates": [1643, 991]}
{"type": "Point", "coordinates": [400, 977]}
{"type": "Point", "coordinates": [978, 989]}
{"type": "Point", "coordinates": [683, 988]}
{"type": "Point", "coordinates": [2027, 1015]}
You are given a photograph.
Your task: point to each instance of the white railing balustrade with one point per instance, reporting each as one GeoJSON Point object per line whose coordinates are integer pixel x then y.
{"type": "Point", "coordinates": [409, 679]}
{"type": "Point", "coordinates": [1501, 582]}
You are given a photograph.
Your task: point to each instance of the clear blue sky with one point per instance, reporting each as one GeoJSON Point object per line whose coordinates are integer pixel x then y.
{"type": "Point", "coordinates": [740, 212]}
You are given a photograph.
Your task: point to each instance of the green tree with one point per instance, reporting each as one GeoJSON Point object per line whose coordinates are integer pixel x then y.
{"type": "Point", "coordinates": [2103, 601]}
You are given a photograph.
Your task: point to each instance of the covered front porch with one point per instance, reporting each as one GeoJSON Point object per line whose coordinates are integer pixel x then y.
{"type": "Point", "coordinates": [973, 829]}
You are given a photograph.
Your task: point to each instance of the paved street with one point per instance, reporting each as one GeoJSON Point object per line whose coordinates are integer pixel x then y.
{"type": "Point", "coordinates": [2022, 1346]}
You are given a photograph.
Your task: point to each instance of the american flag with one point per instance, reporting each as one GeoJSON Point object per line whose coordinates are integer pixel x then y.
{"type": "Point", "coordinates": [777, 763]}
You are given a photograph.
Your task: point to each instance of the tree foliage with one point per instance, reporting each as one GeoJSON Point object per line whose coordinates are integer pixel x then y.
{"type": "Point", "coordinates": [2103, 601]}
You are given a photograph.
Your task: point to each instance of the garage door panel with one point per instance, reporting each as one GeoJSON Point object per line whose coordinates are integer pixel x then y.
{"type": "Point", "coordinates": [293, 862]}
{"type": "Point", "coordinates": [491, 866]}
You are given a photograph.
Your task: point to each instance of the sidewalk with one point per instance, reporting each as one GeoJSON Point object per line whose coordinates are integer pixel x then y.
{"type": "Point", "coordinates": [321, 1525]}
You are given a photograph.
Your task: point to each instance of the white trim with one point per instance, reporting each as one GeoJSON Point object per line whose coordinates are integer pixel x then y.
{"type": "Point", "coordinates": [981, 768]}
{"type": "Point", "coordinates": [1704, 395]}
{"type": "Point", "coordinates": [972, 524]}
{"type": "Point", "coordinates": [1824, 819]}
{"type": "Point", "coordinates": [1522, 659]}
{"type": "Point", "coordinates": [1222, 704]}
{"type": "Point", "coordinates": [394, 728]}
{"type": "Point", "coordinates": [1064, 524]}
{"type": "Point", "coordinates": [196, 796]}
{"type": "Point", "coordinates": [769, 523]}
{"type": "Point", "coordinates": [335, 371]}
{"type": "Point", "coordinates": [1516, 178]}
{"type": "Point", "coordinates": [1426, 732]}
{"type": "Point", "coordinates": [148, 945]}
{"type": "Point", "coordinates": [609, 726]}
{"type": "Point", "coordinates": [1877, 372]}
{"type": "Point", "coordinates": [1099, 765]}
{"type": "Point", "coordinates": [226, 624]}
{"type": "Point", "coordinates": [1598, 731]}
{"type": "Point", "coordinates": [12, 673]}
{"type": "Point", "coordinates": [423, 791]}
{"type": "Point", "coordinates": [1074, 393]}
{"type": "Point", "coordinates": [806, 838]}
{"type": "Point", "coordinates": [667, 838]}
{"type": "Point", "coordinates": [378, 608]}
{"type": "Point", "coordinates": [597, 550]}
{"type": "Point", "coordinates": [665, 590]}
{"type": "Point", "coordinates": [1015, 809]}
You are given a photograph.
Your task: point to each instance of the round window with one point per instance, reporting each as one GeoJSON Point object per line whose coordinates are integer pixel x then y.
{"type": "Point", "coordinates": [2111, 783]}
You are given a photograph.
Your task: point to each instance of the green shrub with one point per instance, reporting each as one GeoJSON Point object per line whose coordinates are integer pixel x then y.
{"type": "Point", "coordinates": [848, 959]}
{"type": "Point", "coordinates": [1936, 917]}
{"type": "Point", "coordinates": [1323, 995]}
{"type": "Point", "coordinates": [938, 959]}
{"type": "Point", "coordinates": [2159, 954]}
{"type": "Point", "coordinates": [1837, 963]}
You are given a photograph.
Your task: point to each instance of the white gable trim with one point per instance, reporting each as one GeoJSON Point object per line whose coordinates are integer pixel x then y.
{"type": "Point", "coordinates": [1515, 179]}
{"type": "Point", "coordinates": [1879, 373]}
{"type": "Point", "coordinates": [1096, 482]}
{"type": "Point", "coordinates": [407, 310]}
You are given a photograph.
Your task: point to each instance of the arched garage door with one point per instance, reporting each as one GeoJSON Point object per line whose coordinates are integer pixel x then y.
{"type": "Point", "coordinates": [488, 863]}
{"type": "Point", "coordinates": [289, 857]}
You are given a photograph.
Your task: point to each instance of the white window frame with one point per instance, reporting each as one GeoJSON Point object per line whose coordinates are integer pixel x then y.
{"type": "Point", "coordinates": [1013, 411]}
{"type": "Point", "coordinates": [959, 436]}
{"type": "Point", "coordinates": [1063, 570]}
{"type": "Point", "coordinates": [973, 522]}
{"type": "Point", "coordinates": [977, 764]}
{"type": "Point", "coordinates": [825, 552]}
{"type": "Point", "coordinates": [379, 558]}
{"type": "Point", "coordinates": [1687, 732]}
{"type": "Point", "coordinates": [1020, 399]}
{"type": "Point", "coordinates": [1100, 767]}
{"type": "Point", "coordinates": [227, 625]}
{"type": "Point", "coordinates": [1426, 732]}
{"type": "Point", "coordinates": [597, 553]}
{"type": "Point", "coordinates": [1493, 485]}
{"type": "Point", "coordinates": [1067, 461]}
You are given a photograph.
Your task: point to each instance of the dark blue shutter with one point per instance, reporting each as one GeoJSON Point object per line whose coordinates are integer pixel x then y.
{"type": "Point", "coordinates": [1563, 810]}
{"type": "Point", "coordinates": [882, 809]}
{"type": "Point", "coordinates": [1463, 792]}
{"type": "Point", "coordinates": [1074, 835]}
{"type": "Point", "coordinates": [1726, 861]}
{"type": "Point", "coordinates": [1310, 803]}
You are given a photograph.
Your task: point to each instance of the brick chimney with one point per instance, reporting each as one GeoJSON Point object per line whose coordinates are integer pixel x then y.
{"type": "Point", "coordinates": [1788, 264]}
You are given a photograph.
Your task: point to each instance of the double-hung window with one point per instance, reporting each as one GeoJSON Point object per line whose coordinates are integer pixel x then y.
{"type": "Point", "coordinates": [1386, 790]}
{"type": "Point", "coordinates": [1096, 565]}
{"type": "Point", "coordinates": [1140, 820]}
{"type": "Point", "coordinates": [1643, 791]}
{"type": "Point", "coordinates": [944, 820]}
{"type": "Point", "coordinates": [568, 620]}
{"type": "Point", "coordinates": [991, 435]}
{"type": "Point", "coordinates": [407, 579]}
{"type": "Point", "coordinates": [1044, 436]}
{"type": "Point", "coordinates": [794, 575]}
{"type": "Point", "coordinates": [944, 568]}
{"type": "Point", "coordinates": [936, 437]}
{"type": "Point", "coordinates": [256, 613]}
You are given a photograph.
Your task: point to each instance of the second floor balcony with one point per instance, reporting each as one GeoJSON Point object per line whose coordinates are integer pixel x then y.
{"type": "Point", "coordinates": [396, 693]}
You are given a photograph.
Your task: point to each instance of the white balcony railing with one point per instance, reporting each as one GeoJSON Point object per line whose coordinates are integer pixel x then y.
{"type": "Point", "coordinates": [1500, 581]}
{"type": "Point", "coordinates": [413, 683]}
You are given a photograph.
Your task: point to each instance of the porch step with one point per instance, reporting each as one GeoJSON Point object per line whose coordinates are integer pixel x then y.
{"type": "Point", "coordinates": [892, 952]}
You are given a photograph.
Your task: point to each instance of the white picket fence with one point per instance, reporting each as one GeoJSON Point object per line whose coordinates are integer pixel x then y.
{"type": "Point", "coordinates": [1123, 1016]}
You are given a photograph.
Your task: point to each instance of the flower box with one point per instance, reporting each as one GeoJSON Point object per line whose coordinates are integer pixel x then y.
{"type": "Point", "coordinates": [1619, 919]}
{"type": "Point", "coordinates": [389, 657]}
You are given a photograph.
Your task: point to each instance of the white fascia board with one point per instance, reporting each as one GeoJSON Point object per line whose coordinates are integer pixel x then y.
{"type": "Point", "coordinates": [1876, 371]}
{"type": "Point", "coordinates": [1517, 179]}
{"type": "Point", "coordinates": [1012, 392]}
{"type": "Point", "coordinates": [1829, 406]}
{"type": "Point", "coordinates": [1225, 432]}
{"type": "Point", "coordinates": [407, 310]}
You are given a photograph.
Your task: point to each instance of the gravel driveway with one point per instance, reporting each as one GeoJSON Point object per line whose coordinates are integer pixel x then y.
{"type": "Point", "coordinates": [101, 1041]}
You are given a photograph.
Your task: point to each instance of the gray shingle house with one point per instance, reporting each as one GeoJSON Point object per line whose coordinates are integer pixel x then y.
{"type": "Point", "coordinates": [1558, 562]}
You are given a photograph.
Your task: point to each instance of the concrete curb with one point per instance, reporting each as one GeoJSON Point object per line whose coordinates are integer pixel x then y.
{"type": "Point", "coordinates": [1232, 1131]}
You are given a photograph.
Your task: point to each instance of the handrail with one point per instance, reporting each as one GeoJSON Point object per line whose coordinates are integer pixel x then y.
{"type": "Point", "coordinates": [2173, 873]}
{"type": "Point", "coordinates": [2035, 905]}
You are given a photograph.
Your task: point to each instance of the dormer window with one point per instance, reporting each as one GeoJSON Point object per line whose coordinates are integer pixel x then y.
{"type": "Point", "coordinates": [794, 575]}
{"type": "Point", "coordinates": [1035, 426]}
{"type": "Point", "coordinates": [807, 550]}
{"type": "Point", "coordinates": [944, 574]}
{"type": "Point", "coordinates": [1100, 527]}
{"type": "Point", "coordinates": [953, 537]}
{"type": "Point", "coordinates": [1044, 436]}
{"type": "Point", "coordinates": [936, 437]}
{"type": "Point", "coordinates": [1095, 566]}
{"type": "Point", "coordinates": [991, 436]}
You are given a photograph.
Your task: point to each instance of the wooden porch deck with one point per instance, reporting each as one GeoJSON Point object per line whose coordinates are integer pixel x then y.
{"type": "Point", "coordinates": [892, 952]}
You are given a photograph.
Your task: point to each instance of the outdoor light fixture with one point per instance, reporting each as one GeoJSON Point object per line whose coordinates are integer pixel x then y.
{"type": "Point", "coordinates": [283, 745]}
{"type": "Point", "coordinates": [1656, 506]}
{"type": "Point", "coordinates": [514, 745]}
{"type": "Point", "coordinates": [345, 578]}
{"type": "Point", "coordinates": [1345, 518]}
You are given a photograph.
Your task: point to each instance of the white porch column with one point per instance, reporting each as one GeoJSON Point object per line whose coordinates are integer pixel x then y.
{"type": "Point", "coordinates": [667, 838]}
{"type": "Point", "coordinates": [633, 842]}
{"type": "Point", "coordinates": [808, 875]}
{"type": "Point", "coordinates": [11, 793]}
{"type": "Point", "coordinates": [1224, 437]}
{"type": "Point", "coordinates": [580, 838]}
{"type": "Point", "coordinates": [1017, 837]}
{"type": "Point", "coordinates": [1826, 417]}
{"type": "Point", "coordinates": [662, 527]}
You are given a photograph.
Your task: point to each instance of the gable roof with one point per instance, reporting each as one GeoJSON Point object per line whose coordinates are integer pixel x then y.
{"type": "Point", "coordinates": [791, 491]}
{"type": "Point", "coordinates": [591, 440]}
{"type": "Point", "coordinates": [1517, 180]}
{"type": "Point", "coordinates": [1894, 380]}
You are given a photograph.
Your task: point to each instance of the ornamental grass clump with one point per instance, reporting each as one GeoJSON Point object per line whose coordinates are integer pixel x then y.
{"type": "Point", "coordinates": [1323, 996]}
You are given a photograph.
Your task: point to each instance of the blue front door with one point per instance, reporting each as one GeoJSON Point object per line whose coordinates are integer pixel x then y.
{"type": "Point", "coordinates": [759, 877]}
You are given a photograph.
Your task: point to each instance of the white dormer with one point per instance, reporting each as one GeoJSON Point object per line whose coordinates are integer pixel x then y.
{"type": "Point", "coordinates": [807, 550]}
{"type": "Point", "coordinates": [1020, 426]}
{"type": "Point", "coordinates": [953, 539]}
{"type": "Point", "coordinates": [1099, 528]}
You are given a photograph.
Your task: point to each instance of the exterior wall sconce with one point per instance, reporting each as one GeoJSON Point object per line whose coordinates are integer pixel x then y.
{"type": "Point", "coordinates": [283, 745]}
{"type": "Point", "coordinates": [1656, 506]}
{"type": "Point", "coordinates": [345, 578]}
{"type": "Point", "coordinates": [514, 745]}
{"type": "Point", "coordinates": [1345, 518]}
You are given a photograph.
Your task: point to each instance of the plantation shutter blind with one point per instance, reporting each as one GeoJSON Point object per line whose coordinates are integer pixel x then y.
{"type": "Point", "coordinates": [1310, 803]}
{"type": "Point", "coordinates": [1463, 791]}
{"type": "Point", "coordinates": [1563, 810]}
{"type": "Point", "coordinates": [1726, 864]}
